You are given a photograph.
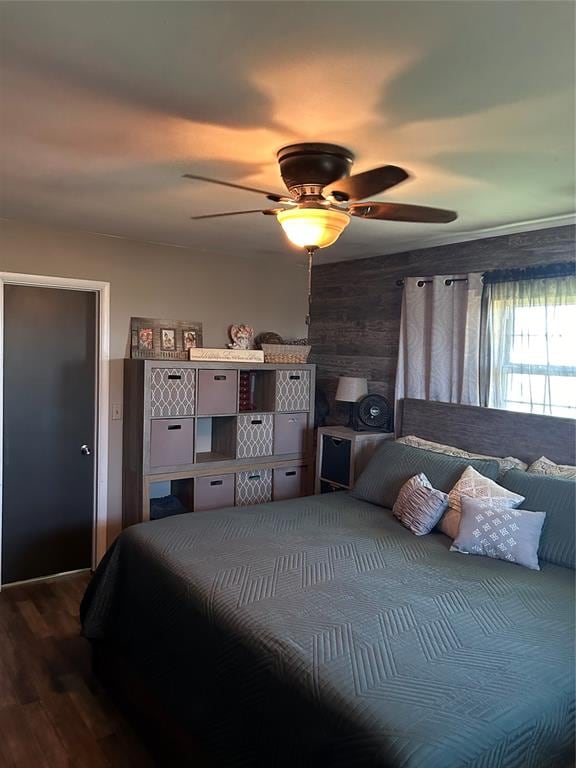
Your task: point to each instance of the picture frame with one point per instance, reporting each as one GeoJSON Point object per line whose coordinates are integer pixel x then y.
{"type": "Point", "coordinates": [189, 339]}
{"type": "Point", "coordinates": [158, 339]}
{"type": "Point", "coordinates": [145, 339]}
{"type": "Point", "coordinates": [168, 339]}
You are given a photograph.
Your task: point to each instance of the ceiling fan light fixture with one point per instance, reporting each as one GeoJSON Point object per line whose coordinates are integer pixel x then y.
{"type": "Point", "coordinates": [313, 227]}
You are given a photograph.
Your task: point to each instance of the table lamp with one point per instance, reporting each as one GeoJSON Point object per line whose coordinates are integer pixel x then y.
{"type": "Point", "coordinates": [350, 390]}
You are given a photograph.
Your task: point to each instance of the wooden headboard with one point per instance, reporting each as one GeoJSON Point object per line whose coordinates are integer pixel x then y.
{"type": "Point", "coordinates": [526, 436]}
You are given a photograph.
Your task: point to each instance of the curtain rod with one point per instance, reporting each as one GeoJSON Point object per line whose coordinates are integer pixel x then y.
{"type": "Point", "coordinates": [542, 272]}
{"type": "Point", "coordinates": [449, 281]}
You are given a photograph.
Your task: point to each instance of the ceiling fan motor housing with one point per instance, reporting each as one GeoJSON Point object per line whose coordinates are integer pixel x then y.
{"type": "Point", "coordinates": [308, 168]}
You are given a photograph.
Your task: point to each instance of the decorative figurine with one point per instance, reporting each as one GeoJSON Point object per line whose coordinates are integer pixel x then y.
{"type": "Point", "coordinates": [241, 336]}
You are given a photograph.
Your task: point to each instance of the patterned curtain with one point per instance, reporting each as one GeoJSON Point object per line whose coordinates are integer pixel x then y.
{"type": "Point", "coordinates": [440, 339]}
{"type": "Point", "coordinates": [529, 353]}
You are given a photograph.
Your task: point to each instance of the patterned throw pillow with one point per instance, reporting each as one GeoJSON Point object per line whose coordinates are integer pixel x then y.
{"type": "Point", "coordinates": [419, 506]}
{"type": "Point", "coordinates": [505, 463]}
{"type": "Point", "coordinates": [544, 466]}
{"type": "Point", "coordinates": [473, 484]}
{"type": "Point", "coordinates": [491, 528]}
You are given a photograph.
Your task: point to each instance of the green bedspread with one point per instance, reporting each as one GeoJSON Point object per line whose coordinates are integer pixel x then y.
{"type": "Point", "coordinates": [319, 632]}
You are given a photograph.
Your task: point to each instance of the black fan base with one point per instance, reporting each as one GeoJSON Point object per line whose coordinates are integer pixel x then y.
{"type": "Point", "coordinates": [372, 413]}
{"type": "Point", "coordinates": [314, 164]}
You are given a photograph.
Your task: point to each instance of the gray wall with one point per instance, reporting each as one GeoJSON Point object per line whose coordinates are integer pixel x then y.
{"type": "Point", "coordinates": [356, 304]}
{"type": "Point", "coordinates": [166, 282]}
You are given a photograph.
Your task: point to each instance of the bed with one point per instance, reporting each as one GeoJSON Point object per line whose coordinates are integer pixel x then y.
{"type": "Point", "coordinates": [320, 632]}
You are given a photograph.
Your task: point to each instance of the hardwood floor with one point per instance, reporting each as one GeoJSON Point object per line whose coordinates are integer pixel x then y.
{"type": "Point", "coordinates": [53, 714]}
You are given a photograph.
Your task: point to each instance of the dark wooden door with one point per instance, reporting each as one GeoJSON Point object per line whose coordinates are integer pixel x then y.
{"type": "Point", "coordinates": [49, 415]}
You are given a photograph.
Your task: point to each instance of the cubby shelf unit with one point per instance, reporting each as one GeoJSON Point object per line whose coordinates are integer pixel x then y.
{"type": "Point", "coordinates": [216, 434]}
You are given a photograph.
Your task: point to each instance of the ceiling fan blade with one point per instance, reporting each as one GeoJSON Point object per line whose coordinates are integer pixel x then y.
{"type": "Point", "coordinates": [402, 212]}
{"type": "Point", "coordinates": [266, 212]}
{"type": "Point", "coordinates": [277, 198]}
{"type": "Point", "coordinates": [368, 183]}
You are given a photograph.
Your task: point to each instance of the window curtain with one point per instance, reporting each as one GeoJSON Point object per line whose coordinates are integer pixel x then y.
{"type": "Point", "coordinates": [440, 339]}
{"type": "Point", "coordinates": [528, 356]}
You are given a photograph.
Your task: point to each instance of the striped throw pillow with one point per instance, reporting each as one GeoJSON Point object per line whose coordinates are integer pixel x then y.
{"type": "Point", "coordinates": [419, 507]}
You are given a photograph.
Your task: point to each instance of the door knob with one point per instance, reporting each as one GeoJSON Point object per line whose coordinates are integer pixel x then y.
{"type": "Point", "coordinates": [84, 450]}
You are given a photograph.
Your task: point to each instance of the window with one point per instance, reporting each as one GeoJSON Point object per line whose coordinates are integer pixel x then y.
{"type": "Point", "coordinates": [531, 335]}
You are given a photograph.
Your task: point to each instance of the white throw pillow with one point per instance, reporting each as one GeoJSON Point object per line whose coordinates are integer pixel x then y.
{"type": "Point", "coordinates": [475, 485]}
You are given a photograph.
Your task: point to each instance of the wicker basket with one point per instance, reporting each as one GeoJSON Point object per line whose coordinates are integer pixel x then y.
{"type": "Point", "coordinates": [285, 353]}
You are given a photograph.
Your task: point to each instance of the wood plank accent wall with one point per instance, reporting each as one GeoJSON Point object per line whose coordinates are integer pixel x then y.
{"type": "Point", "coordinates": [355, 318]}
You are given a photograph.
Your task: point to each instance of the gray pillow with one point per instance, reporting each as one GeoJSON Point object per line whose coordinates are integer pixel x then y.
{"type": "Point", "coordinates": [557, 497]}
{"type": "Point", "coordinates": [394, 463]}
{"type": "Point", "coordinates": [419, 506]}
{"type": "Point", "coordinates": [491, 528]}
{"type": "Point", "coordinates": [506, 463]}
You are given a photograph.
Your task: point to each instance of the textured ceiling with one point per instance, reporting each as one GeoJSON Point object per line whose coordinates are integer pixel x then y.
{"type": "Point", "coordinates": [106, 104]}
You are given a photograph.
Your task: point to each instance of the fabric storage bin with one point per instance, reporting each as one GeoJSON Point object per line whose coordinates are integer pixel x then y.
{"type": "Point", "coordinates": [253, 487]}
{"type": "Point", "coordinates": [254, 435]}
{"type": "Point", "coordinates": [171, 442]}
{"type": "Point", "coordinates": [335, 459]}
{"type": "Point", "coordinates": [213, 492]}
{"type": "Point", "coordinates": [288, 483]}
{"type": "Point", "coordinates": [172, 392]}
{"type": "Point", "coordinates": [290, 432]}
{"type": "Point", "coordinates": [293, 390]}
{"type": "Point", "coordinates": [217, 392]}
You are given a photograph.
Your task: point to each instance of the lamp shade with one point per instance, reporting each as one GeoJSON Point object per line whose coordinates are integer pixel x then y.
{"type": "Point", "coordinates": [313, 227]}
{"type": "Point", "coordinates": [351, 389]}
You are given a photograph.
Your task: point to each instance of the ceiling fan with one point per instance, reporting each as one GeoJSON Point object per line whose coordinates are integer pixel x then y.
{"type": "Point", "coordinates": [323, 196]}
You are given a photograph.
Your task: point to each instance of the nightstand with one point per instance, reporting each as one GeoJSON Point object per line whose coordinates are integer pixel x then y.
{"type": "Point", "coordinates": [342, 454]}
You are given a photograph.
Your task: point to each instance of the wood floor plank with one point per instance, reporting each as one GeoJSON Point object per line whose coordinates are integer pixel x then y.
{"type": "Point", "coordinates": [18, 685]}
{"type": "Point", "coordinates": [44, 597]}
{"type": "Point", "coordinates": [53, 713]}
{"type": "Point", "coordinates": [27, 738]}
{"type": "Point", "coordinates": [89, 709]}
{"type": "Point", "coordinates": [69, 724]}
{"type": "Point", "coordinates": [33, 618]}
{"type": "Point", "coordinates": [10, 692]}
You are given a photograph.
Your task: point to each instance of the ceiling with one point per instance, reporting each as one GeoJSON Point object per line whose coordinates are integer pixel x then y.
{"type": "Point", "coordinates": [106, 104]}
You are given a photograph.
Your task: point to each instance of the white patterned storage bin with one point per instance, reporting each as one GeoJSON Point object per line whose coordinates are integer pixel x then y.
{"type": "Point", "coordinates": [293, 390]}
{"type": "Point", "coordinates": [172, 392]}
{"type": "Point", "coordinates": [253, 487]}
{"type": "Point", "coordinates": [254, 435]}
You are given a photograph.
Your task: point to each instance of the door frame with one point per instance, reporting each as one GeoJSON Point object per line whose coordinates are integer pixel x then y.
{"type": "Point", "coordinates": [102, 291]}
